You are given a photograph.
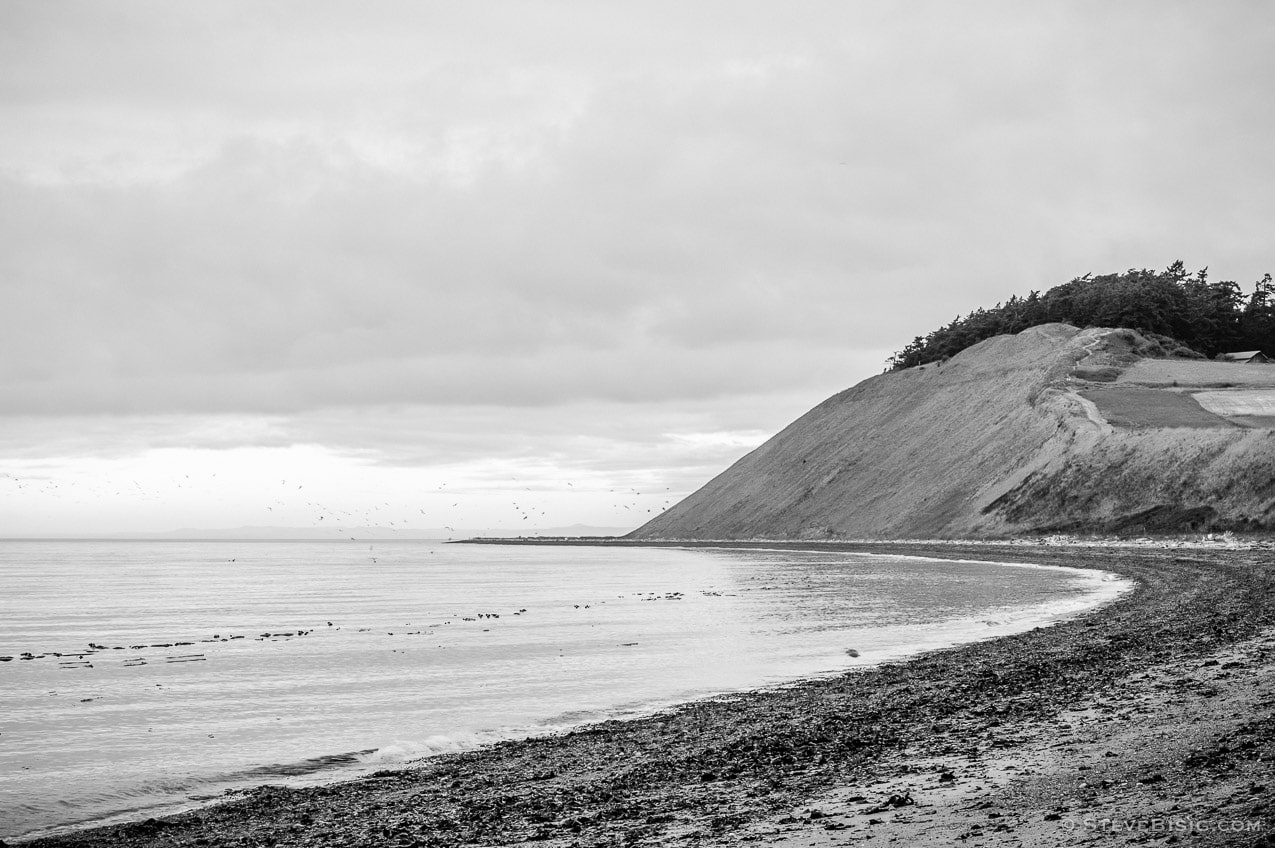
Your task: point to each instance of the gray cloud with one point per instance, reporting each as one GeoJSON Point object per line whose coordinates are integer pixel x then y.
{"type": "Point", "coordinates": [349, 454]}
{"type": "Point", "coordinates": [279, 209]}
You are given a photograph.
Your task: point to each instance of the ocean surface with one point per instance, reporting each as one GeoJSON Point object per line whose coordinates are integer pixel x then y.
{"type": "Point", "coordinates": [141, 677]}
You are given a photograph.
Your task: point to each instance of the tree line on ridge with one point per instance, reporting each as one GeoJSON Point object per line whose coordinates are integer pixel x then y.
{"type": "Point", "coordinates": [1203, 316]}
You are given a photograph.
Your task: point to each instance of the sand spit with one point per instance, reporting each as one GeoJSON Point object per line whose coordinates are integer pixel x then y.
{"type": "Point", "coordinates": [1149, 719]}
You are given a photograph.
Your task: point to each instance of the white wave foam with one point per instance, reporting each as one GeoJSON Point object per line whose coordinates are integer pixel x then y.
{"type": "Point", "coordinates": [405, 751]}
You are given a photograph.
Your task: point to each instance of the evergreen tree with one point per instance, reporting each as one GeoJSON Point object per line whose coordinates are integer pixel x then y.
{"type": "Point", "coordinates": [1257, 324]}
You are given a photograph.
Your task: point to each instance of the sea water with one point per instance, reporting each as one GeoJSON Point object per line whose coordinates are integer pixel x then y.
{"type": "Point", "coordinates": [137, 677]}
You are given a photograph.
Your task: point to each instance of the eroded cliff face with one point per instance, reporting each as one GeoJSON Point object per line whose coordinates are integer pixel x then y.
{"type": "Point", "coordinates": [1054, 429]}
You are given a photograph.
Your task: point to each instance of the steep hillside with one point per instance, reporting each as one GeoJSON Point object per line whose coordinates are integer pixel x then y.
{"type": "Point", "coordinates": [1052, 429]}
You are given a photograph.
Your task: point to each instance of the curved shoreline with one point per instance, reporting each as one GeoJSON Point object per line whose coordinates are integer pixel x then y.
{"type": "Point", "coordinates": [161, 787]}
{"type": "Point", "coordinates": [737, 767]}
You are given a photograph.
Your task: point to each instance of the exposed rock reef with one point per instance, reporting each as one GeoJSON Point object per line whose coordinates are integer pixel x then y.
{"type": "Point", "coordinates": [1054, 429]}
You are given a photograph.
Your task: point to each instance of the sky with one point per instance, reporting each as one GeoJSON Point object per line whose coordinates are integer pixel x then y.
{"type": "Point", "coordinates": [531, 264]}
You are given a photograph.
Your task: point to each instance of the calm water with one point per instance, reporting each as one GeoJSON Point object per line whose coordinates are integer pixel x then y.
{"type": "Point", "coordinates": [160, 673]}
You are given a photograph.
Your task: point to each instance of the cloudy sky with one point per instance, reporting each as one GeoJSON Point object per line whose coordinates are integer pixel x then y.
{"type": "Point", "coordinates": [457, 263]}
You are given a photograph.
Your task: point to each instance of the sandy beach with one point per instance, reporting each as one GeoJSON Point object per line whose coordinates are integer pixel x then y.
{"type": "Point", "coordinates": [1149, 720]}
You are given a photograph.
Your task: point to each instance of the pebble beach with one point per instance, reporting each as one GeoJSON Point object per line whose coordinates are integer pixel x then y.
{"type": "Point", "coordinates": [1152, 718]}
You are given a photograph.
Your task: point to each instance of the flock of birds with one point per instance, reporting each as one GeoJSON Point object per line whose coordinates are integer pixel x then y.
{"type": "Point", "coordinates": [289, 505]}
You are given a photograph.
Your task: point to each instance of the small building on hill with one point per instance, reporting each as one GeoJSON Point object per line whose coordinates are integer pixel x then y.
{"type": "Point", "coordinates": [1244, 356]}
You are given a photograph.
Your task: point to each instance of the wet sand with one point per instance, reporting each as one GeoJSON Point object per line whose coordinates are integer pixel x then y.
{"type": "Point", "coordinates": [1149, 720]}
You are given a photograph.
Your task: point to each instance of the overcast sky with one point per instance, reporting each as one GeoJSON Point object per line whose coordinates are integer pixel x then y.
{"type": "Point", "coordinates": [427, 261]}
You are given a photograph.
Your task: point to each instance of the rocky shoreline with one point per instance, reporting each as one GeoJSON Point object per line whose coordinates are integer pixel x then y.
{"type": "Point", "coordinates": [990, 743]}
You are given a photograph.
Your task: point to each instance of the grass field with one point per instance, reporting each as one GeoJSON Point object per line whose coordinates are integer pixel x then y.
{"type": "Point", "coordinates": [1247, 402]}
{"type": "Point", "coordinates": [1138, 407]}
{"type": "Point", "coordinates": [1193, 373]}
